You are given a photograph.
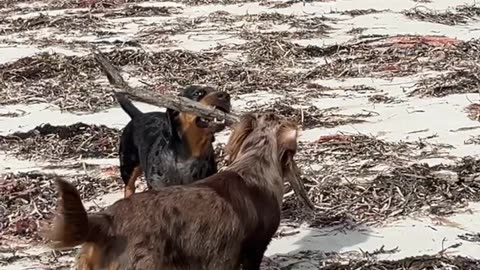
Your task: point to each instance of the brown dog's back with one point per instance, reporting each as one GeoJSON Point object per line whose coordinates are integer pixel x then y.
{"type": "Point", "coordinates": [201, 226]}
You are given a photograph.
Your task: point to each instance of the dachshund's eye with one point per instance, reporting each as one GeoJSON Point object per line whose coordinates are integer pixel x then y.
{"type": "Point", "coordinates": [199, 93]}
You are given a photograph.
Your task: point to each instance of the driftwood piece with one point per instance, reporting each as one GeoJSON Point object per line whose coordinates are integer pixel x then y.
{"type": "Point", "coordinates": [177, 103]}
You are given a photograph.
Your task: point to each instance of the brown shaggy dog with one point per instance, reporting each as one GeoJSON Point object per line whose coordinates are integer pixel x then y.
{"type": "Point", "coordinates": [223, 222]}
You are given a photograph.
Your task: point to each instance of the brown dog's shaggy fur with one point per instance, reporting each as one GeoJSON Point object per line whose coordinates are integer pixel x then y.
{"type": "Point", "coordinates": [223, 222]}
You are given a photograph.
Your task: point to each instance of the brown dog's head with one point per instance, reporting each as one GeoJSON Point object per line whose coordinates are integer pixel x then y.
{"type": "Point", "coordinates": [207, 96]}
{"type": "Point", "coordinates": [276, 133]}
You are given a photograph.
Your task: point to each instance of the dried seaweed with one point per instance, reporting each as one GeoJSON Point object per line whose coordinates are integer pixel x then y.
{"type": "Point", "coordinates": [473, 111]}
{"type": "Point", "coordinates": [473, 140]}
{"type": "Point", "coordinates": [83, 23]}
{"type": "Point", "coordinates": [462, 15]}
{"type": "Point", "coordinates": [69, 81]}
{"type": "Point", "coordinates": [92, 4]}
{"type": "Point", "coordinates": [396, 56]}
{"type": "Point", "coordinates": [402, 192]}
{"type": "Point", "coordinates": [356, 30]}
{"type": "Point", "coordinates": [285, 35]}
{"type": "Point", "coordinates": [381, 99]}
{"type": "Point", "coordinates": [27, 198]}
{"type": "Point", "coordinates": [73, 96]}
{"type": "Point", "coordinates": [301, 27]}
{"type": "Point", "coordinates": [216, 2]}
{"type": "Point", "coordinates": [344, 157]}
{"type": "Point", "coordinates": [457, 82]}
{"type": "Point", "coordinates": [46, 66]}
{"type": "Point", "coordinates": [57, 143]}
{"type": "Point", "coordinates": [310, 116]}
{"type": "Point", "coordinates": [267, 51]}
{"type": "Point", "coordinates": [142, 11]}
{"type": "Point", "coordinates": [470, 237]}
{"type": "Point", "coordinates": [305, 22]}
{"type": "Point", "coordinates": [360, 12]}
{"type": "Point", "coordinates": [235, 78]}
{"type": "Point", "coordinates": [11, 3]}
{"type": "Point", "coordinates": [410, 263]}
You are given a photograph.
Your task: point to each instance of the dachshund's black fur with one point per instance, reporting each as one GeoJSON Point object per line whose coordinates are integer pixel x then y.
{"type": "Point", "coordinates": [170, 148]}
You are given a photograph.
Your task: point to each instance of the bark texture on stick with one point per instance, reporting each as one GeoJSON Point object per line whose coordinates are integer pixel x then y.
{"type": "Point", "coordinates": [177, 103]}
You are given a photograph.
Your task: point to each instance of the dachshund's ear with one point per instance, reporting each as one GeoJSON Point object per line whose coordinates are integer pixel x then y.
{"type": "Point", "coordinates": [172, 114]}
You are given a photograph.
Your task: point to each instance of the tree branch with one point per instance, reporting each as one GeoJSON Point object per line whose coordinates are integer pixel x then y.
{"type": "Point", "coordinates": [177, 103]}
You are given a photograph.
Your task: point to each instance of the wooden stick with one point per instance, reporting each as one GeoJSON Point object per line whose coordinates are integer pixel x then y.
{"type": "Point", "coordinates": [177, 103]}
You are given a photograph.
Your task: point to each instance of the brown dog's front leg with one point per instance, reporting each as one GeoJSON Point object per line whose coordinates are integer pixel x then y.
{"type": "Point", "coordinates": [130, 187]}
{"type": "Point", "coordinates": [252, 258]}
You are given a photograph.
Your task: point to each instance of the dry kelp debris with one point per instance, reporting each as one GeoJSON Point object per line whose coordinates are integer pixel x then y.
{"type": "Point", "coordinates": [94, 5]}
{"type": "Point", "coordinates": [72, 96]}
{"type": "Point", "coordinates": [280, 35]}
{"type": "Point", "coordinates": [310, 116]}
{"type": "Point", "coordinates": [353, 156]}
{"type": "Point", "coordinates": [461, 15]}
{"type": "Point", "coordinates": [27, 198]}
{"type": "Point", "coordinates": [356, 30]}
{"type": "Point", "coordinates": [473, 111]}
{"type": "Point", "coordinates": [69, 81]}
{"type": "Point", "coordinates": [360, 12]}
{"type": "Point", "coordinates": [268, 49]}
{"type": "Point", "coordinates": [396, 56]}
{"type": "Point", "coordinates": [313, 259]}
{"type": "Point", "coordinates": [61, 142]}
{"type": "Point", "coordinates": [46, 66]}
{"type": "Point", "coordinates": [428, 15]}
{"type": "Point", "coordinates": [142, 11]}
{"type": "Point", "coordinates": [404, 191]}
{"type": "Point", "coordinates": [236, 78]}
{"type": "Point", "coordinates": [12, 3]}
{"type": "Point", "coordinates": [300, 27]}
{"type": "Point", "coordinates": [473, 140]}
{"type": "Point", "coordinates": [381, 99]}
{"type": "Point", "coordinates": [216, 2]}
{"type": "Point", "coordinates": [470, 237]}
{"type": "Point", "coordinates": [87, 22]}
{"type": "Point", "coordinates": [274, 17]}
{"type": "Point", "coordinates": [461, 81]}
{"type": "Point", "coordinates": [467, 169]}
{"type": "Point", "coordinates": [303, 22]}
{"type": "Point", "coordinates": [272, 52]}
{"type": "Point", "coordinates": [171, 65]}
{"type": "Point", "coordinates": [411, 263]}
{"type": "Point", "coordinates": [166, 29]}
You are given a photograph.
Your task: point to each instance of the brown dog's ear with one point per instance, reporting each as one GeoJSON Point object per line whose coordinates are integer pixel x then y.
{"type": "Point", "coordinates": [240, 131]}
{"type": "Point", "coordinates": [287, 137]}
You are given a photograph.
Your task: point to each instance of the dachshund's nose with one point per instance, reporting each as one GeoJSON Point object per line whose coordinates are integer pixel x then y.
{"type": "Point", "coordinates": [223, 95]}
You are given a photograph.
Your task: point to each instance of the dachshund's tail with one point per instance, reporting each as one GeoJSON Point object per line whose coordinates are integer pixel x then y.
{"type": "Point", "coordinates": [127, 105]}
{"type": "Point", "coordinates": [73, 226]}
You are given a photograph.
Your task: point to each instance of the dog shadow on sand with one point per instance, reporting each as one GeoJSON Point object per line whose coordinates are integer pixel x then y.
{"type": "Point", "coordinates": [311, 248]}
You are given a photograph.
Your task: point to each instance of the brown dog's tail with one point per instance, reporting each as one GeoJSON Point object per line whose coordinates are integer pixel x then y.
{"type": "Point", "coordinates": [127, 105]}
{"type": "Point", "coordinates": [73, 226]}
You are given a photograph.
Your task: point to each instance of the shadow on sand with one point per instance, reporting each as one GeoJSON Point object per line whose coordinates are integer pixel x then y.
{"type": "Point", "coordinates": [310, 247]}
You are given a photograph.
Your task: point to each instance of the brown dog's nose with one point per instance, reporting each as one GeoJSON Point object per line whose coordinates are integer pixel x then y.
{"type": "Point", "coordinates": [223, 95]}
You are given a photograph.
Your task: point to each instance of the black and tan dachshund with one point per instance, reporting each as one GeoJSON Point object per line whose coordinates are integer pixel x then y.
{"type": "Point", "coordinates": [170, 148]}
